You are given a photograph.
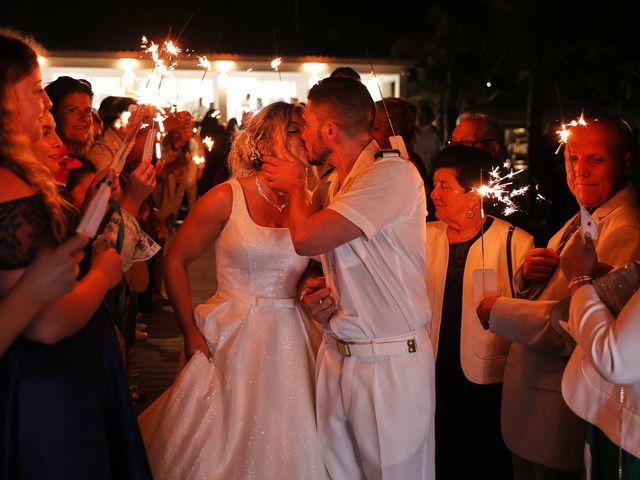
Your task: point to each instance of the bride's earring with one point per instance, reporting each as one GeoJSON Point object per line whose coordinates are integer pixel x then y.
{"type": "Point", "coordinates": [256, 158]}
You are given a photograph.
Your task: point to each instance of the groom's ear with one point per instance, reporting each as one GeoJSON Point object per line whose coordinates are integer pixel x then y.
{"type": "Point", "coordinates": [330, 129]}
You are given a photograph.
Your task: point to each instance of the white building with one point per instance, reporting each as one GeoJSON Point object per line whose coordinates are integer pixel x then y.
{"type": "Point", "coordinates": [234, 85]}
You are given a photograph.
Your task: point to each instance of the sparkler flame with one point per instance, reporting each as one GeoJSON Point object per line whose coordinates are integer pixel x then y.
{"type": "Point", "coordinates": [564, 132]}
{"type": "Point", "coordinates": [499, 188]}
{"type": "Point", "coordinates": [208, 142]}
{"type": "Point", "coordinates": [204, 63]}
{"type": "Point", "coordinates": [276, 62]}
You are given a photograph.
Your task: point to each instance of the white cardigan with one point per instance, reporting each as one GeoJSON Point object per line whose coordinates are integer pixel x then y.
{"type": "Point", "coordinates": [483, 354]}
{"type": "Point", "coordinates": [607, 355]}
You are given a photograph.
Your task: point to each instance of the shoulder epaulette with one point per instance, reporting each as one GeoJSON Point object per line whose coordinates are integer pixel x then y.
{"type": "Point", "coordinates": [387, 153]}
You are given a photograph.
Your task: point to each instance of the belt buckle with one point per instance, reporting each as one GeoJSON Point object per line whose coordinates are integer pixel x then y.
{"type": "Point", "coordinates": [343, 348]}
{"type": "Point", "coordinates": [411, 345]}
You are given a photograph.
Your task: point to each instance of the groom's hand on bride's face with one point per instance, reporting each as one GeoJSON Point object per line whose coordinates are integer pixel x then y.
{"type": "Point", "coordinates": [284, 172]}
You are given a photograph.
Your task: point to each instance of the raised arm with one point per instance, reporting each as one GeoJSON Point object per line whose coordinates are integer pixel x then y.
{"type": "Point", "coordinates": [200, 229]}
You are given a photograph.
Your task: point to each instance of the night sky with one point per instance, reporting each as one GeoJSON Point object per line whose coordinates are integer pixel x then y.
{"type": "Point", "coordinates": [302, 27]}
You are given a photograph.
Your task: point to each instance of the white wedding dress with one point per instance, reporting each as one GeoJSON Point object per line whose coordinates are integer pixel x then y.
{"type": "Point", "coordinates": [249, 412]}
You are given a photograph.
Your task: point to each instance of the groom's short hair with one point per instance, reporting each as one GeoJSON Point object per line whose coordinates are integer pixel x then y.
{"type": "Point", "coordinates": [347, 102]}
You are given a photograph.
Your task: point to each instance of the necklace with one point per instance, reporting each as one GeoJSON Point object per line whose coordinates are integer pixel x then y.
{"type": "Point", "coordinates": [280, 208]}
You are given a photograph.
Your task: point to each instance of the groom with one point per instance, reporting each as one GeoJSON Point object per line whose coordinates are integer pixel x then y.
{"type": "Point", "coordinates": [375, 390]}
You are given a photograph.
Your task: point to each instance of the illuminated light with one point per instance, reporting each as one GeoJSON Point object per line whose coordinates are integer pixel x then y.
{"type": "Point", "coordinates": [313, 79]}
{"type": "Point", "coordinates": [195, 130]}
{"type": "Point", "coordinates": [488, 84]}
{"type": "Point", "coordinates": [42, 61]}
{"type": "Point", "coordinates": [129, 78]}
{"type": "Point", "coordinates": [224, 66]}
{"type": "Point", "coordinates": [249, 69]}
{"type": "Point", "coordinates": [223, 79]}
{"type": "Point", "coordinates": [158, 151]}
{"type": "Point", "coordinates": [314, 68]}
{"type": "Point", "coordinates": [128, 63]}
{"type": "Point", "coordinates": [198, 159]}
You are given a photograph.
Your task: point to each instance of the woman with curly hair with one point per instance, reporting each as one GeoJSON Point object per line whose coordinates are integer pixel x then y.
{"type": "Point", "coordinates": [243, 406]}
{"type": "Point", "coordinates": [65, 409]}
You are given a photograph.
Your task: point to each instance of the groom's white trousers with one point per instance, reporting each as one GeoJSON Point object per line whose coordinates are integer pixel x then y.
{"type": "Point", "coordinates": [375, 409]}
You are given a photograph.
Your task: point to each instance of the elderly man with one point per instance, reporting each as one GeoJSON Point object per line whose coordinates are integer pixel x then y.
{"type": "Point", "coordinates": [545, 437]}
{"type": "Point", "coordinates": [481, 131]}
{"type": "Point", "coordinates": [375, 393]}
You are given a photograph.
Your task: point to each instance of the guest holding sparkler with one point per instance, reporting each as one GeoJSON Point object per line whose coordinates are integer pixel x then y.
{"type": "Point", "coordinates": [601, 383]}
{"type": "Point", "coordinates": [243, 406]}
{"type": "Point", "coordinates": [64, 398]}
{"type": "Point", "coordinates": [469, 360]}
{"type": "Point", "coordinates": [72, 110]}
{"type": "Point", "coordinates": [545, 437]}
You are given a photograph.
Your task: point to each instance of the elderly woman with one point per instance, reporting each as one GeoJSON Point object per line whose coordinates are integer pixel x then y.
{"type": "Point", "coordinates": [601, 383]}
{"type": "Point", "coordinates": [470, 361]}
{"type": "Point", "coordinates": [72, 112]}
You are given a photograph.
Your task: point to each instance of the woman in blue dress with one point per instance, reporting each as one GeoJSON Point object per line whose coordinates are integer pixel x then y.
{"type": "Point", "coordinates": [65, 411]}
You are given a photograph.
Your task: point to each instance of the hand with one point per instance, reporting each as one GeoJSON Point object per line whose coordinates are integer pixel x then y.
{"type": "Point", "coordinates": [284, 172]}
{"type": "Point", "coordinates": [316, 300]}
{"type": "Point", "coordinates": [579, 258]}
{"type": "Point", "coordinates": [539, 265]}
{"type": "Point", "coordinates": [484, 310]}
{"type": "Point", "coordinates": [54, 272]}
{"type": "Point", "coordinates": [194, 342]}
{"type": "Point", "coordinates": [109, 265]}
{"type": "Point", "coordinates": [142, 182]}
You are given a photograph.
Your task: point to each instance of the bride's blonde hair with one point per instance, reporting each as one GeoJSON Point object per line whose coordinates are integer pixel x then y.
{"type": "Point", "coordinates": [18, 58]}
{"type": "Point", "coordinates": [268, 126]}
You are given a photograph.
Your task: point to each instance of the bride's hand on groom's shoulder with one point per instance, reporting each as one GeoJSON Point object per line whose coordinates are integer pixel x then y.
{"type": "Point", "coordinates": [194, 342]}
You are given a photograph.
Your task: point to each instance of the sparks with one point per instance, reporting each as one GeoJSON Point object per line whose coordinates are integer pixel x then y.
{"type": "Point", "coordinates": [198, 159]}
{"type": "Point", "coordinates": [204, 63]}
{"type": "Point", "coordinates": [499, 189]}
{"type": "Point", "coordinates": [564, 131]}
{"type": "Point", "coordinates": [208, 142]}
{"type": "Point", "coordinates": [276, 62]}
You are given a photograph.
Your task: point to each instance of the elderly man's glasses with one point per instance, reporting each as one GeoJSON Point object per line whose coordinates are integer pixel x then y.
{"type": "Point", "coordinates": [469, 143]}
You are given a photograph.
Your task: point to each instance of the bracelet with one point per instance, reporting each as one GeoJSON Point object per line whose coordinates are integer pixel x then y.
{"type": "Point", "coordinates": [579, 279]}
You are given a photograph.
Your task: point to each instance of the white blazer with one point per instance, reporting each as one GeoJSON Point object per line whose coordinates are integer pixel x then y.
{"type": "Point", "coordinates": [606, 358]}
{"type": "Point", "coordinates": [483, 354]}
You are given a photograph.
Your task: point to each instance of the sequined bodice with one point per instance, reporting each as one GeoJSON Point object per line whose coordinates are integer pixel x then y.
{"type": "Point", "coordinates": [256, 260]}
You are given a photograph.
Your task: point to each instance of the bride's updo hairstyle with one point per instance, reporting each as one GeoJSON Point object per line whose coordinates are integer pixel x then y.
{"type": "Point", "coordinates": [18, 58]}
{"type": "Point", "coordinates": [265, 129]}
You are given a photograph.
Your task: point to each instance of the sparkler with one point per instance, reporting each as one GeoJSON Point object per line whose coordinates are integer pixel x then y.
{"type": "Point", "coordinates": [208, 142]}
{"type": "Point", "coordinates": [275, 64]}
{"type": "Point", "coordinates": [500, 189]}
{"type": "Point", "coordinates": [564, 132]}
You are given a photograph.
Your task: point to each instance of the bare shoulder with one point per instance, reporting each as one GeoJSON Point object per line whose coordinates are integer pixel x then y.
{"type": "Point", "coordinates": [13, 187]}
{"type": "Point", "coordinates": [216, 202]}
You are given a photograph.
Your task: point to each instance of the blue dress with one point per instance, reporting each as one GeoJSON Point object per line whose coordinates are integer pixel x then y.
{"type": "Point", "coordinates": [65, 411]}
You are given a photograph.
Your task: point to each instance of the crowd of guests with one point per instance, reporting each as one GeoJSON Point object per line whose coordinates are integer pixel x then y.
{"type": "Point", "coordinates": [527, 371]}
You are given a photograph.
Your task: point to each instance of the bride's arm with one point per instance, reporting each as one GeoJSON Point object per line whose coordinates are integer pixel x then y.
{"type": "Point", "coordinates": [200, 229]}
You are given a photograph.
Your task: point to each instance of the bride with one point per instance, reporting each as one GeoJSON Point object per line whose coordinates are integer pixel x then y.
{"type": "Point", "coordinates": [243, 406]}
